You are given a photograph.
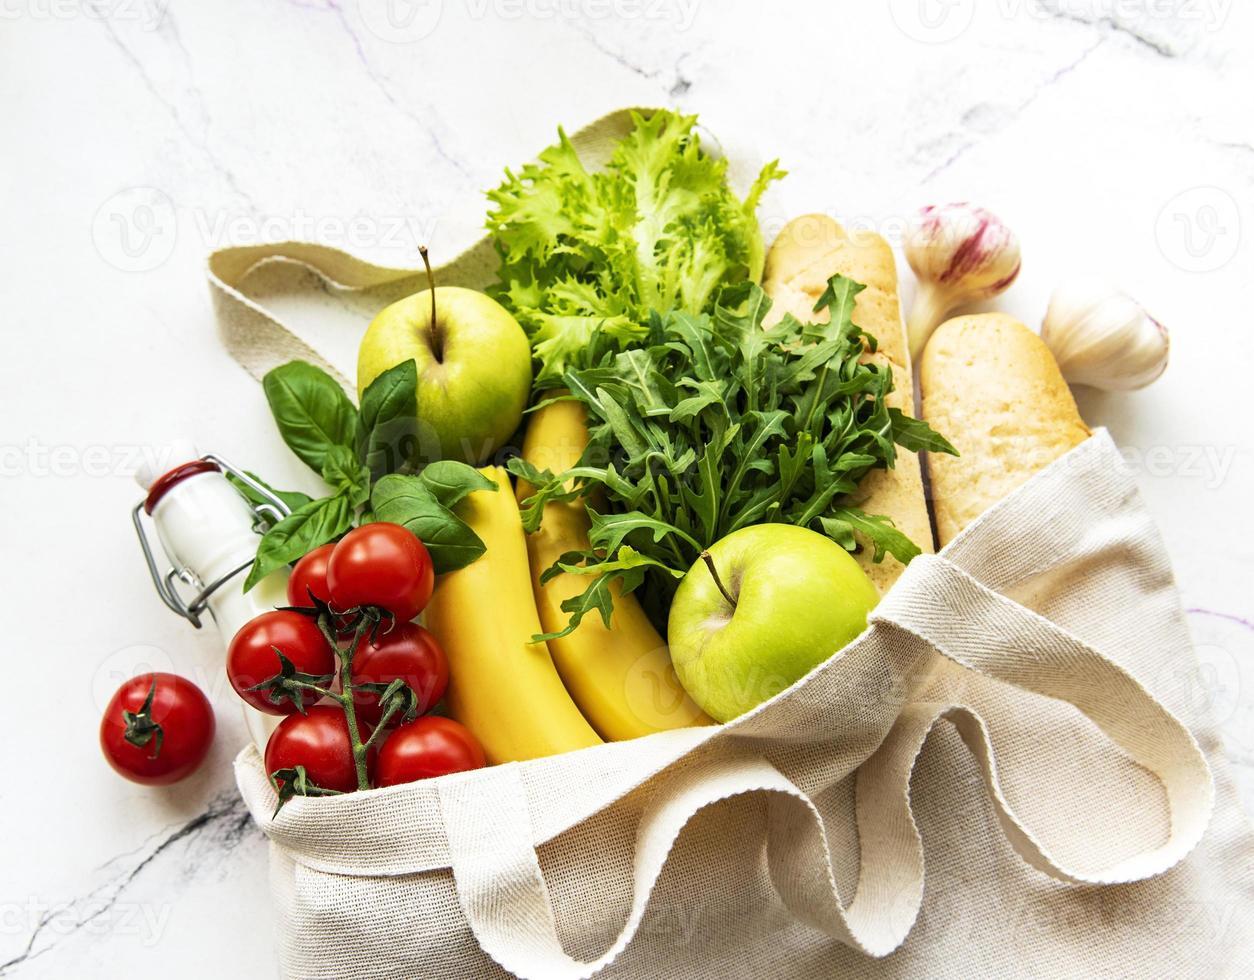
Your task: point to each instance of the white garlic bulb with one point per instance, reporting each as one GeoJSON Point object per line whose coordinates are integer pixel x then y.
{"type": "Point", "coordinates": [1102, 337]}
{"type": "Point", "coordinates": [961, 254]}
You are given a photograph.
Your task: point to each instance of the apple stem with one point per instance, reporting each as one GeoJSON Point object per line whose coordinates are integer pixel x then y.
{"type": "Point", "coordinates": [709, 562]}
{"type": "Point", "coordinates": [437, 338]}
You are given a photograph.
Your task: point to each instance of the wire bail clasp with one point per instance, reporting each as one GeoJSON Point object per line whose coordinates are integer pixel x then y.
{"type": "Point", "coordinates": [270, 508]}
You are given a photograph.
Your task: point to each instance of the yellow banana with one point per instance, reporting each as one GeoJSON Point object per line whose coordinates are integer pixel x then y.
{"type": "Point", "coordinates": [621, 678]}
{"type": "Point", "coordinates": [502, 686]}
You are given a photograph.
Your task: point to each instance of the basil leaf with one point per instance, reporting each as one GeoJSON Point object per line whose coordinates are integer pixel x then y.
{"type": "Point", "coordinates": [345, 475]}
{"type": "Point", "coordinates": [307, 527]}
{"type": "Point", "coordinates": [311, 411]}
{"type": "Point", "coordinates": [450, 481]}
{"type": "Point", "coordinates": [407, 501]}
{"type": "Point", "coordinates": [293, 498]}
{"type": "Point", "coordinates": [387, 435]}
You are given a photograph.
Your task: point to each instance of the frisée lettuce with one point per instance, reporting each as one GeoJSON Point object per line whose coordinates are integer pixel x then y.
{"type": "Point", "coordinates": [587, 256]}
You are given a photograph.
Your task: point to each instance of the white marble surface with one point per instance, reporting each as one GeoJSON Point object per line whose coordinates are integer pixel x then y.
{"type": "Point", "coordinates": [1114, 135]}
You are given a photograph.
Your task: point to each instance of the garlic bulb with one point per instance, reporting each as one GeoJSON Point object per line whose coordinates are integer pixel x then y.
{"type": "Point", "coordinates": [1102, 337]}
{"type": "Point", "coordinates": [961, 254]}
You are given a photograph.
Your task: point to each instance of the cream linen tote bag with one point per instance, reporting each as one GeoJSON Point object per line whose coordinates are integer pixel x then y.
{"type": "Point", "coordinates": [996, 721]}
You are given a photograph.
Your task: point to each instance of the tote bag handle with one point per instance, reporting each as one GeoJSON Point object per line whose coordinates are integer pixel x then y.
{"type": "Point", "coordinates": [505, 899]}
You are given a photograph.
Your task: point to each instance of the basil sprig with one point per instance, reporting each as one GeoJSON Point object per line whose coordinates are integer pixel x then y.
{"type": "Point", "coordinates": [362, 455]}
{"type": "Point", "coordinates": [718, 422]}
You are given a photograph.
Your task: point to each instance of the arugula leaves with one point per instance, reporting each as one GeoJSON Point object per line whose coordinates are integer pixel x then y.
{"type": "Point", "coordinates": [716, 422]}
{"type": "Point", "coordinates": [586, 257]}
{"type": "Point", "coordinates": [358, 455]}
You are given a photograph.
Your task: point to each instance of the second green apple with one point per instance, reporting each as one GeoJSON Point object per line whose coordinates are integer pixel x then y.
{"type": "Point", "coordinates": [765, 606]}
{"type": "Point", "coordinates": [474, 369]}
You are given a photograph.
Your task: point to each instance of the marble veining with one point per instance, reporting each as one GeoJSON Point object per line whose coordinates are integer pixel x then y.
{"type": "Point", "coordinates": [1115, 135]}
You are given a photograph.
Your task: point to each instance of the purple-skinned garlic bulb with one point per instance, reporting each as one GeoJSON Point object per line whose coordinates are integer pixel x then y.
{"type": "Point", "coordinates": [961, 254]}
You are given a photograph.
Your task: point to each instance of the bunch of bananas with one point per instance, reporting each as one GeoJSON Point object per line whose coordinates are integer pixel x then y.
{"type": "Point", "coordinates": [522, 699]}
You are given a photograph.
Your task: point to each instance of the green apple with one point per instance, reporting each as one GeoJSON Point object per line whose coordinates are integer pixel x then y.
{"type": "Point", "coordinates": [769, 604]}
{"type": "Point", "coordinates": [474, 369]}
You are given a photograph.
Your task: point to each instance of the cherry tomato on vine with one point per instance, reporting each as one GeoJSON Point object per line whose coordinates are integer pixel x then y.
{"type": "Point", "coordinates": [319, 741]}
{"type": "Point", "coordinates": [251, 660]}
{"type": "Point", "coordinates": [426, 747]}
{"type": "Point", "coordinates": [310, 575]}
{"type": "Point", "coordinates": [381, 565]}
{"type": "Point", "coordinates": [406, 652]}
{"type": "Point", "coordinates": [157, 729]}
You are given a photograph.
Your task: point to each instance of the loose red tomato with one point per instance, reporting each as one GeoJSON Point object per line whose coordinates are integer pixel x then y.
{"type": "Point", "coordinates": [251, 659]}
{"type": "Point", "coordinates": [381, 565]}
{"type": "Point", "coordinates": [157, 729]}
{"type": "Point", "coordinates": [426, 747]}
{"type": "Point", "coordinates": [310, 575]}
{"type": "Point", "coordinates": [406, 652]}
{"type": "Point", "coordinates": [319, 741]}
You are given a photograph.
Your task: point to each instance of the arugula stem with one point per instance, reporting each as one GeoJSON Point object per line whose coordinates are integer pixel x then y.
{"type": "Point", "coordinates": [709, 562]}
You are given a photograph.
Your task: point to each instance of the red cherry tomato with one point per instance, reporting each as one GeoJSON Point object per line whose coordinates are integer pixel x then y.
{"type": "Point", "coordinates": [426, 747]}
{"type": "Point", "coordinates": [169, 735]}
{"type": "Point", "coordinates": [310, 575]}
{"type": "Point", "coordinates": [408, 652]}
{"type": "Point", "coordinates": [317, 740]}
{"type": "Point", "coordinates": [251, 659]}
{"type": "Point", "coordinates": [381, 565]}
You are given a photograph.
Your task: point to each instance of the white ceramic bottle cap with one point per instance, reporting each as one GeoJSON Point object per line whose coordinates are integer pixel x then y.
{"type": "Point", "coordinates": [160, 459]}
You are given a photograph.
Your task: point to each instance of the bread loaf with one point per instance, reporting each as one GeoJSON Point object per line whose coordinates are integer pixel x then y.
{"type": "Point", "coordinates": [809, 251]}
{"type": "Point", "coordinates": [992, 388]}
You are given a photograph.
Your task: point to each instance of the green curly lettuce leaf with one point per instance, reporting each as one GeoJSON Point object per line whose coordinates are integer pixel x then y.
{"type": "Point", "coordinates": [588, 256]}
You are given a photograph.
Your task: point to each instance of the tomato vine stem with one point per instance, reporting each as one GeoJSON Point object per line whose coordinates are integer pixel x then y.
{"type": "Point", "coordinates": [345, 697]}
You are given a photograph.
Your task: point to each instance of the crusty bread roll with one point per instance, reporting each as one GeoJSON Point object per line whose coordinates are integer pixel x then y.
{"type": "Point", "coordinates": [809, 251]}
{"type": "Point", "coordinates": [991, 387]}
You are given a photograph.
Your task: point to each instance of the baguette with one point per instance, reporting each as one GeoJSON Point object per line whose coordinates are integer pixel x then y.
{"type": "Point", "coordinates": [809, 251]}
{"type": "Point", "coordinates": [992, 388]}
